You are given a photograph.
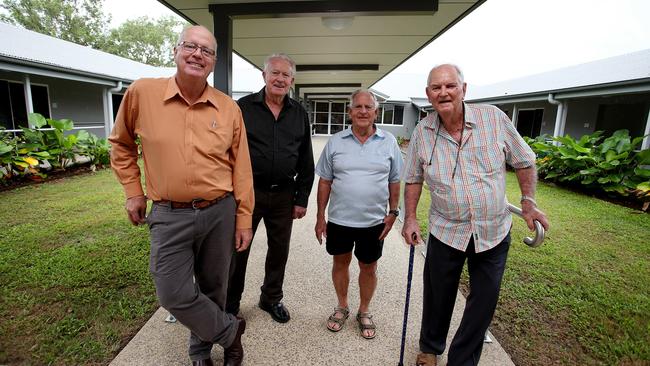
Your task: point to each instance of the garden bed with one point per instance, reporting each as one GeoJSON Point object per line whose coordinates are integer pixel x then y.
{"type": "Point", "coordinates": [54, 175]}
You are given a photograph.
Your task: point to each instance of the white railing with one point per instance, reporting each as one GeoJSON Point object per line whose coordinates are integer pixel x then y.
{"type": "Point", "coordinates": [97, 127]}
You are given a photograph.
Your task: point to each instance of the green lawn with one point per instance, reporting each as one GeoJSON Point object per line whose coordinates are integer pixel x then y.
{"type": "Point", "coordinates": [74, 272]}
{"type": "Point", "coordinates": [75, 281]}
{"type": "Point", "coordinates": [583, 297]}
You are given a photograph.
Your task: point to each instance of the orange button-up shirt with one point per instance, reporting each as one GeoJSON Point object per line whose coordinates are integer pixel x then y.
{"type": "Point", "coordinates": [190, 151]}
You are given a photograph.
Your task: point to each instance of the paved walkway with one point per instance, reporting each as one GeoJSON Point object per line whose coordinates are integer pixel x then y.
{"type": "Point", "coordinates": [310, 297]}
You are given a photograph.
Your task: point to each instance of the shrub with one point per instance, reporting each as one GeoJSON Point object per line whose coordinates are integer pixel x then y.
{"type": "Point", "coordinates": [36, 149]}
{"type": "Point", "coordinates": [613, 165]}
{"type": "Point", "coordinates": [95, 148]}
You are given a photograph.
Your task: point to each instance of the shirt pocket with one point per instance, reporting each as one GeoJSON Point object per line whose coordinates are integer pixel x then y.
{"type": "Point", "coordinates": [443, 201]}
{"type": "Point", "coordinates": [215, 137]}
{"type": "Point", "coordinates": [487, 159]}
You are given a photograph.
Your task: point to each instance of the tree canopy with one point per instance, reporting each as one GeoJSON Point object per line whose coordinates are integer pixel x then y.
{"type": "Point", "coordinates": [79, 21]}
{"type": "Point", "coordinates": [146, 40]}
{"type": "Point", "coordinates": [84, 22]}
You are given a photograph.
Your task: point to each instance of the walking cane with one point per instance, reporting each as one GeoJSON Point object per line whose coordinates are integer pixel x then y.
{"type": "Point", "coordinates": [406, 305]}
{"type": "Point", "coordinates": [532, 242]}
{"type": "Point", "coordinates": [535, 241]}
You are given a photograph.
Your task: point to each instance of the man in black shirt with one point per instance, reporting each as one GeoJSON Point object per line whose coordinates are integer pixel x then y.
{"type": "Point", "coordinates": [279, 140]}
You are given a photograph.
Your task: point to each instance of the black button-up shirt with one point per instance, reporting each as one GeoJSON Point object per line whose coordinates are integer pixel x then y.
{"type": "Point", "coordinates": [281, 152]}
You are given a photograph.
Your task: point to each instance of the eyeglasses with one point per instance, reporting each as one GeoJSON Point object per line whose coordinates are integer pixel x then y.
{"type": "Point", "coordinates": [190, 48]}
{"type": "Point", "coordinates": [362, 106]}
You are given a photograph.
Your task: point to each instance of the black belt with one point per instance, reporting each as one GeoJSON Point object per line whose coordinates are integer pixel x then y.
{"type": "Point", "coordinates": [196, 204]}
{"type": "Point", "coordinates": [275, 187]}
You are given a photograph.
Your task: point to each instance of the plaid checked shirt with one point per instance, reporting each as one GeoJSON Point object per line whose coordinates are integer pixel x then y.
{"type": "Point", "coordinates": [467, 182]}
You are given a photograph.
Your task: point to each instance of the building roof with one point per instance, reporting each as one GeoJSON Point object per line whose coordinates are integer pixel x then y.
{"type": "Point", "coordinates": [614, 75]}
{"type": "Point", "coordinates": [30, 48]}
{"type": "Point", "coordinates": [23, 50]}
{"type": "Point", "coordinates": [421, 103]}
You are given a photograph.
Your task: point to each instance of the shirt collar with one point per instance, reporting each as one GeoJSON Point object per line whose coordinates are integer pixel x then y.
{"type": "Point", "coordinates": [379, 133]}
{"type": "Point", "coordinates": [432, 121]}
{"type": "Point", "coordinates": [208, 95]}
{"type": "Point", "coordinates": [259, 98]}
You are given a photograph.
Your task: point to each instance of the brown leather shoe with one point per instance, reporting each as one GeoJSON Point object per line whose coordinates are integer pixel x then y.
{"type": "Point", "coordinates": [426, 359]}
{"type": "Point", "coordinates": [234, 355]}
{"type": "Point", "coordinates": [206, 362]}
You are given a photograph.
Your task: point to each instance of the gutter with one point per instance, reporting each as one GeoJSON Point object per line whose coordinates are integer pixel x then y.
{"type": "Point", "coordinates": [117, 88]}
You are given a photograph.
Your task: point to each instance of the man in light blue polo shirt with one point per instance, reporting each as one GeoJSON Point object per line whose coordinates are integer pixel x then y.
{"type": "Point", "coordinates": [359, 173]}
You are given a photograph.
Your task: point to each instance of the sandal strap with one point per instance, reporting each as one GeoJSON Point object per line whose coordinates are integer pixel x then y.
{"type": "Point", "coordinates": [340, 321]}
{"type": "Point", "coordinates": [366, 315]}
{"type": "Point", "coordinates": [344, 311]}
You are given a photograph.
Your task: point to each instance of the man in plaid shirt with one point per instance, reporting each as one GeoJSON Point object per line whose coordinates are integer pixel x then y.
{"type": "Point", "coordinates": [461, 151]}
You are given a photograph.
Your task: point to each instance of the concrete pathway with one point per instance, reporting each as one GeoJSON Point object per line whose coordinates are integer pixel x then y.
{"type": "Point", "coordinates": [310, 297]}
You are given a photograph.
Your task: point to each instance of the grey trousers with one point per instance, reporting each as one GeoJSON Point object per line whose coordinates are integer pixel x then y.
{"type": "Point", "coordinates": [190, 259]}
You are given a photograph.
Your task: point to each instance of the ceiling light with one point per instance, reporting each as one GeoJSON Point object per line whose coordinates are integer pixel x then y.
{"type": "Point", "coordinates": [337, 23]}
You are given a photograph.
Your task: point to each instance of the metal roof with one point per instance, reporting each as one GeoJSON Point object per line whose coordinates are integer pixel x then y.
{"type": "Point", "coordinates": [620, 74]}
{"type": "Point", "coordinates": [30, 52]}
{"type": "Point", "coordinates": [367, 40]}
{"type": "Point", "coordinates": [23, 50]}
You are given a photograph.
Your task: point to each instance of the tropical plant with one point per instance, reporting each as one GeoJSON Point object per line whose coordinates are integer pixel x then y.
{"type": "Point", "coordinates": [93, 147]}
{"type": "Point", "coordinates": [55, 141]}
{"type": "Point", "coordinates": [38, 149]}
{"type": "Point", "coordinates": [16, 160]}
{"type": "Point", "coordinates": [613, 165]}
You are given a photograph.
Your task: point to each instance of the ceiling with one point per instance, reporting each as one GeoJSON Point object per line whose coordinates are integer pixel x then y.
{"type": "Point", "coordinates": [376, 36]}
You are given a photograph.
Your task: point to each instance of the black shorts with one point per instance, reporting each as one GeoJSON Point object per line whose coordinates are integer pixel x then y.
{"type": "Point", "coordinates": [341, 239]}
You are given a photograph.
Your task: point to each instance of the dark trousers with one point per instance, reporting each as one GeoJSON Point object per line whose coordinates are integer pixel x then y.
{"type": "Point", "coordinates": [442, 270]}
{"type": "Point", "coordinates": [190, 259]}
{"type": "Point", "coordinates": [276, 209]}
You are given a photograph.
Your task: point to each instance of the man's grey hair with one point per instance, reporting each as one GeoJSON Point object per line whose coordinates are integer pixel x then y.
{"type": "Point", "coordinates": [181, 36]}
{"type": "Point", "coordinates": [280, 56]}
{"type": "Point", "coordinates": [363, 91]}
{"type": "Point", "coordinates": [461, 78]}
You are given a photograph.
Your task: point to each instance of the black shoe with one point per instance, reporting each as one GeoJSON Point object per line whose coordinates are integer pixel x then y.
{"type": "Point", "coordinates": [206, 362]}
{"type": "Point", "coordinates": [277, 310]}
{"type": "Point", "coordinates": [234, 355]}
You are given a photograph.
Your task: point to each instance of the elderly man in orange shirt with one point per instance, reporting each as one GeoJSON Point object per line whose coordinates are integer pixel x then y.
{"type": "Point", "coordinates": [198, 175]}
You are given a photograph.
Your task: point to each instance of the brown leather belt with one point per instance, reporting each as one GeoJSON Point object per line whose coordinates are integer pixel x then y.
{"type": "Point", "coordinates": [196, 204]}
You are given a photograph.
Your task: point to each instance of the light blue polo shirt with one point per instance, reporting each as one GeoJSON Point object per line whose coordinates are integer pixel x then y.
{"type": "Point", "coordinates": [360, 174]}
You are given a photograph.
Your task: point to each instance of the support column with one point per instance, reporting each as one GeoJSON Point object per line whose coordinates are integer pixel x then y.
{"type": "Point", "coordinates": [223, 66]}
{"type": "Point", "coordinates": [560, 117]}
{"type": "Point", "coordinates": [646, 141]}
{"type": "Point", "coordinates": [109, 121]}
{"type": "Point", "coordinates": [515, 114]}
{"type": "Point", "coordinates": [29, 103]}
{"type": "Point", "coordinates": [106, 98]}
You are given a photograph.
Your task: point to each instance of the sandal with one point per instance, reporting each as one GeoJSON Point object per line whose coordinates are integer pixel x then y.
{"type": "Point", "coordinates": [363, 326]}
{"type": "Point", "coordinates": [427, 359]}
{"type": "Point", "coordinates": [336, 320]}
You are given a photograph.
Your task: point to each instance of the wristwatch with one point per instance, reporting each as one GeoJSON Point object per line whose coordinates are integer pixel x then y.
{"type": "Point", "coordinates": [529, 199]}
{"type": "Point", "coordinates": [394, 212]}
